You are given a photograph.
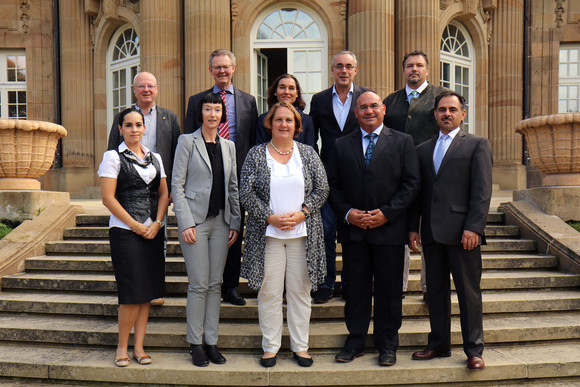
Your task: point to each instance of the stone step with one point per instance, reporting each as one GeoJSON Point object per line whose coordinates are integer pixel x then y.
{"type": "Point", "coordinates": [246, 335]}
{"type": "Point", "coordinates": [505, 364]}
{"type": "Point", "coordinates": [177, 284]}
{"type": "Point", "coordinates": [176, 265]}
{"type": "Point", "coordinates": [101, 232]}
{"type": "Point", "coordinates": [101, 246]}
{"type": "Point", "coordinates": [494, 302]}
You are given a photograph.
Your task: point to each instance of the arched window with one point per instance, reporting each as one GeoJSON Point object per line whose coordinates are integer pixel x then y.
{"type": "Point", "coordinates": [122, 66]}
{"type": "Point", "coordinates": [457, 67]}
{"type": "Point", "coordinates": [288, 38]}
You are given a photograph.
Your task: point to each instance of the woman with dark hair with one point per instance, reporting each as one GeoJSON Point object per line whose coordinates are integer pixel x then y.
{"type": "Point", "coordinates": [205, 197]}
{"type": "Point", "coordinates": [283, 185]}
{"type": "Point", "coordinates": [286, 88]}
{"type": "Point", "coordinates": [135, 191]}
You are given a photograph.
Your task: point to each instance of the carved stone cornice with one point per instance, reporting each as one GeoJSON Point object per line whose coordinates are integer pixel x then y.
{"type": "Point", "coordinates": [486, 16]}
{"type": "Point", "coordinates": [235, 9]}
{"type": "Point", "coordinates": [559, 11]}
{"type": "Point", "coordinates": [444, 4]}
{"type": "Point", "coordinates": [25, 15]}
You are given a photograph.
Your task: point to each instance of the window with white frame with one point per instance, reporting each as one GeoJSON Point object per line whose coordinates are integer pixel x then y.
{"type": "Point", "coordinates": [457, 67]}
{"type": "Point", "coordinates": [569, 79]}
{"type": "Point", "coordinates": [13, 84]}
{"type": "Point", "coordinates": [123, 62]}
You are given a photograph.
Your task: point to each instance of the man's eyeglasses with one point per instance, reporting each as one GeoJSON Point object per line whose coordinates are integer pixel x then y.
{"type": "Point", "coordinates": [221, 68]}
{"type": "Point", "coordinates": [341, 67]}
{"type": "Point", "coordinates": [143, 87]}
{"type": "Point", "coordinates": [374, 106]}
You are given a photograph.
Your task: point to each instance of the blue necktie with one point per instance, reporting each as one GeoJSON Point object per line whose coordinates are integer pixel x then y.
{"type": "Point", "coordinates": [440, 151]}
{"type": "Point", "coordinates": [370, 148]}
{"type": "Point", "coordinates": [414, 94]}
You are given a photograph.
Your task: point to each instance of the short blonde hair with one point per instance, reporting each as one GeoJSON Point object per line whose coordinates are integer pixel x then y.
{"type": "Point", "coordinates": [272, 112]}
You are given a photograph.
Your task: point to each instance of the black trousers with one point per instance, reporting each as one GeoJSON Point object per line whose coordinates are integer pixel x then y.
{"type": "Point", "coordinates": [465, 266]}
{"type": "Point", "coordinates": [234, 259]}
{"type": "Point", "coordinates": [382, 265]}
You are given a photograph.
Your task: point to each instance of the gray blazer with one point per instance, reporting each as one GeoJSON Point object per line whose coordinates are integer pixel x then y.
{"type": "Point", "coordinates": [192, 181]}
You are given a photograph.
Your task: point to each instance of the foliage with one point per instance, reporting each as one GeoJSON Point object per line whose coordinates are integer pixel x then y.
{"type": "Point", "coordinates": [574, 224]}
{"type": "Point", "coordinates": [4, 230]}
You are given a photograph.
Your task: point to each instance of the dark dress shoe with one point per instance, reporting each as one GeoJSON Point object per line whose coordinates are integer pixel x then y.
{"type": "Point", "coordinates": [428, 354]}
{"type": "Point", "coordinates": [475, 363]}
{"type": "Point", "coordinates": [387, 357]}
{"type": "Point", "coordinates": [198, 355]}
{"type": "Point", "coordinates": [346, 355]}
{"type": "Point", "coordinates": [268, 362]}
{"type": "Point", "coordinates": [233, 297]}
{"type": "Point", "coordinates": [322, 296]}
{"type": "Point", "coordinates": [303, 361]}
{"type": "Point", "coordinates": [214, 355]}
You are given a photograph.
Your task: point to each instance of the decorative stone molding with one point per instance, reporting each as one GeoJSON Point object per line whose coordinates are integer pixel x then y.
{"type": "Point", "coordinates": [26, 151]}
{"type": "Point", "coordinates": [342, 7]}
{"type": "Point", "coordinates": [25, 15]}
{"type": "Point", "coordinates": [553, 143]}
{"type": "Point", "coordinates": [444, 4]}
{"type": "Point", "coordinates": [235, 9]}
{"type": "Point", "coordinates": [559, 11]}
{"type": "Point", "coordinates": [486, 16]}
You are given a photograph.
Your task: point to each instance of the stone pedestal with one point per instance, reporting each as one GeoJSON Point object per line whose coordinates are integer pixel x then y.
{"type": "Point", "coordinates": [564, 202]}
{"type": "Point", "coordinates": [20, 205]}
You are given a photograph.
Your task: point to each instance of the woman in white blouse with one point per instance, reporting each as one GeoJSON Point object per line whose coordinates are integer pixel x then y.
{"type": "Point", "coordinates": [283, 185]}
{"type": "Point", "coordinates": [135, 191]}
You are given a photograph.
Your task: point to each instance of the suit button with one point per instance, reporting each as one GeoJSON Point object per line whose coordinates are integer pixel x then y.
{"type": "Point", "coordinates": [409, 116]}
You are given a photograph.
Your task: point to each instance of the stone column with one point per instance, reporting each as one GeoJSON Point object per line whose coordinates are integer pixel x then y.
{"type": "Point", "coordinates": [417, 24]}
{"type": "Point", "coordinates": [161, 43]}
{"type": "Point", "coordinates": [207, 28]}
{"type": "Point", "coordinates": [506, 93]}
{"type": "Point", "coordinates": [76, 85]}
{"type": "Point", "coordinates": [371, 36]}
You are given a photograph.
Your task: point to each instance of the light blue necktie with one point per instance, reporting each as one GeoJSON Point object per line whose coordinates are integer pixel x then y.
{"type": "Point", "coordinates": [370, 148]}
{"type": "Point", "coordinates": [440, 150]}
{"type": "Point", "coordinates": [414, 94]}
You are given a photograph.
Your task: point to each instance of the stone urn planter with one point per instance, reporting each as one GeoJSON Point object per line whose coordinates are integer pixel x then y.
{"type": "Point", "coordinates": [27, 151]}
{"type": "Point", "coordinates": [554, 146]}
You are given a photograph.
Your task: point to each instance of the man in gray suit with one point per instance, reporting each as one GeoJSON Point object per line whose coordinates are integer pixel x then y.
{"type": "Point", "coordinates": [242, 113]}
{"type": "Point", "coordinates": [410, 110]}
{"type": "Point", "coordinates": [456, 186]}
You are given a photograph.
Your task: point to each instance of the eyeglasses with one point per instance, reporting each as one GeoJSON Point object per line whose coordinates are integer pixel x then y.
{"type": "Point", "coordinates": [374, 106]}
{"type": "Point", "coordinates": [341, 67]}
{"type": "Point", "coordinates": [143, 87]}
{"type": "Point", "coordinates": [221, 68]}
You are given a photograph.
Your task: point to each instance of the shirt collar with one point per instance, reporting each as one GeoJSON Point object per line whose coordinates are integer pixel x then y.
{"type": "Point", "coordinates": [123, 147]}
{"type": "Point", "coordinates": [350, 91]}
{"type": "Point", "coordinates": [420, 89]}
{"type": "Point", "coordinates": [229, 89]}
{"type": "Point", "coordinates": [150, 110]}
{"type": "Point", "coordinates": [377, 131]}
{"type": "Point", "coordinates": [451, 134]}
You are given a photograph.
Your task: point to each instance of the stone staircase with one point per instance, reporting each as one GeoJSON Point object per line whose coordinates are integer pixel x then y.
{"type": "Point", "coordinates": [58, 324]}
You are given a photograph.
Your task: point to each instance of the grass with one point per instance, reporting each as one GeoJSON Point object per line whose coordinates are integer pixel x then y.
{"type": "Point", "coordinates": [574, 224]}
{"type": "Point", "coordinates": [4, 230]}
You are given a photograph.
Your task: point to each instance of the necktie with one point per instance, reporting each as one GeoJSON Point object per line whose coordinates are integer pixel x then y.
{"type": "Point", "coordinates": [223, 128]}
{"type": "Point", "coordinates": [440, 150]}
{"type": "Point", "coordinates": [370, 148]}
{"type": "Point", "coordinates": [414, 94]}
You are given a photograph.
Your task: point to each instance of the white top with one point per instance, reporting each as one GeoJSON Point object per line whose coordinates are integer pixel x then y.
{"type": "Point", "coordinates": [286, 192]}
{"type": "Point", "coordinates": [110, 167]}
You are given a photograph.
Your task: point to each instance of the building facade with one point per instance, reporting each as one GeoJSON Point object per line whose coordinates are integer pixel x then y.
{"type": "Point", "coordinates": [72, 61]}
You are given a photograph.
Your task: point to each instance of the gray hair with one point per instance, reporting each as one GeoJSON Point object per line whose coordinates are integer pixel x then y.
{"type": "Point", "coordinates": [221, 52]}
{"type": "Point", "coordinates": [345, 52]}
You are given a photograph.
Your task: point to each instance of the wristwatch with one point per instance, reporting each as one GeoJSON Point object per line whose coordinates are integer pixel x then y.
{"type": "Point", "coordinates": [161, 224]}
{"type": "Point", "coordinates": [305, 214]}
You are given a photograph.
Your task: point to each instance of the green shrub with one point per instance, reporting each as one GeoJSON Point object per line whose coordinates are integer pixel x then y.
{"type": "Point", "coordinates": [4, 230]}
{"type": "Point", "coordinates": [574, 224]}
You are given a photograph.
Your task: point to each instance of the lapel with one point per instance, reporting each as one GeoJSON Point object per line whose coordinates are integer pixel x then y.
{"type": "Point", "coordinates": [381, 145]}
{"type": "Point", "coordinates": [237, 103]}
{"type": "Point", "coordinates": [356, 149]}
{"type": "Point", "coordinates": [162, 121]}
{"type": "Point", "coordinates": [199, 143]}
{"type": "Point", "coordinates": [330, 109]}
{"type": "Point", "coordinates": [226, 160]}
{"type": "Point", "coordinates": [453, 147]}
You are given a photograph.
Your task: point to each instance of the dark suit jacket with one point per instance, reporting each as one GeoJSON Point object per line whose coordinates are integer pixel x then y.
{"type": "Point", "coordinates": [325, 124]}
{"type": "Point", "coordinates": [168, 131]}
{"type": "Point", "coordinates": [457, 197]}
{"type": "Point", "coordinates": [416, 119]}
{"type": "Point", "coordinates": [391, 184]}
{"type": "Point", "coordinates": [246, 119]}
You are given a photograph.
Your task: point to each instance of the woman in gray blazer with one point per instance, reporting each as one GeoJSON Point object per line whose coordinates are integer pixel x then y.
{"type": "Point", "coordinates": [205, 197]}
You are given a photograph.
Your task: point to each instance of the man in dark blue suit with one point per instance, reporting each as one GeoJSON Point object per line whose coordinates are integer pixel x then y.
{"type": "Point", "coordinates": [242, 114]}
{"type": "Point", "coordinates": [456, 175]}
{"type": "Point", "coordinates": [372, 183]}
{"type": "Point", "coordinates": [332, 111]}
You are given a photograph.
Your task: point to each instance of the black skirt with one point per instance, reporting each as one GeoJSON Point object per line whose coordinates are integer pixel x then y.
{"type": "Point", "coordinates": [139, 265]}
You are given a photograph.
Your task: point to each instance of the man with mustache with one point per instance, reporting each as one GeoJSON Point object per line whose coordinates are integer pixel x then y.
{"type": "Point", "coordinates": [410, 110]}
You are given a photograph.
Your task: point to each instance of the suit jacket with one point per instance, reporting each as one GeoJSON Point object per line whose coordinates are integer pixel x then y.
{"type": "Point", "coordinates": [390, 183]}
{"type": "Point", "coordinates": [192, 181]}
{"type": "Point", "coordinates": [416, 119]}
{"type": "Point", "coordinates": [457, 197]}
{"type": "Point", "coordinates": [325, 124]}
{"type": "Point", "coordinates": [246, 119]}
{"type": "Point", "coordinates": [168, 131]}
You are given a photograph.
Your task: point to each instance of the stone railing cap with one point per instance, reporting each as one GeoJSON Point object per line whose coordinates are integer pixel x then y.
{"type": "Point", "coordinates": [552, 119]}
{"type": "Point", "coordinates": [33, 125]}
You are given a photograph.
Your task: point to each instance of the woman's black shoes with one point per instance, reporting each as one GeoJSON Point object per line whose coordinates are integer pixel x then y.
{"type": "Point", "coordinates": [268, 362]}
{"type": "Point", "coordinates": [303, 361]}
{"type": "Point", "coordinates": [198, 355]}
{"type": "Point", "coordinates": [214, 355]}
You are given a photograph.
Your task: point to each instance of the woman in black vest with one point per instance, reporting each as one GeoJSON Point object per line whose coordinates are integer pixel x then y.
{"type": "Point", "coordinates": [135, 191]}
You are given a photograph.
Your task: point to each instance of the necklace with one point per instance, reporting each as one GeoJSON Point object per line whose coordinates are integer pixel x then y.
{"type": "Point", "coordinates": [282, 153]}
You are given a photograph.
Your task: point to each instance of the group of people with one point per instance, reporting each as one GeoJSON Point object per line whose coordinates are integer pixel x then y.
{"type": "Point", "coordinates": [392, 176]}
